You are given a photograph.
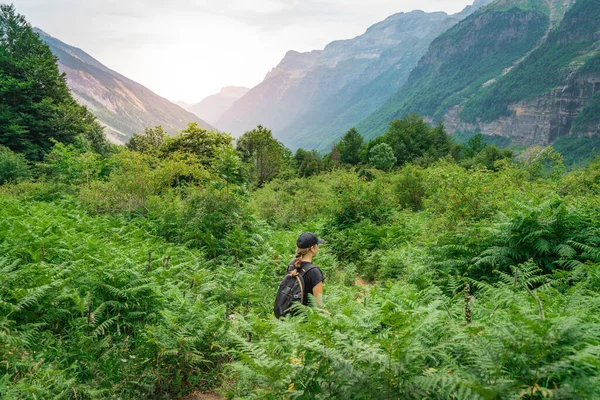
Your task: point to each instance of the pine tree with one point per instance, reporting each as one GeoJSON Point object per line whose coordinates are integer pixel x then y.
{"type": "Point", "coordinates": [350, 146]}
{"type": "Point", "coordinates": [35, 103]}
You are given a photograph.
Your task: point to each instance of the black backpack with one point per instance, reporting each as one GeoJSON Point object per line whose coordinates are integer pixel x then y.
{"type": "Point", "coordinates": [291, 290]}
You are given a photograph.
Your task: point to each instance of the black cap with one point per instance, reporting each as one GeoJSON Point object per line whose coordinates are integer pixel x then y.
{"type": "Point", "coordinates": [308, 239]}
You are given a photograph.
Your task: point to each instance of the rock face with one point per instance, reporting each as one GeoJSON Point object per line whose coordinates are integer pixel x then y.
{"type": "Point", "coordinates": [311, 99]}
{"type": "Point", "coordinates": [532, 74]}
{"type": "Point", "coordinates": [540, 121]}
{"type": "Point", "coordinates": [212, 107]}
{"type": "Point", "coordinates": [123, 106]}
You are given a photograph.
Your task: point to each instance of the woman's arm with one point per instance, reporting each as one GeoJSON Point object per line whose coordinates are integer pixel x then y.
{"type": "Point", "coordinates": [318, 293]}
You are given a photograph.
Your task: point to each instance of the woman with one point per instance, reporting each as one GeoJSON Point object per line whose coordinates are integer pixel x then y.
{"type": "Point", "coordinates": [308, 247]}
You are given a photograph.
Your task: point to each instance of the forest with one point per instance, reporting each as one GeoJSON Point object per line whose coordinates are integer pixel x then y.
{"type": "Point", "coordinates": [452, 270]}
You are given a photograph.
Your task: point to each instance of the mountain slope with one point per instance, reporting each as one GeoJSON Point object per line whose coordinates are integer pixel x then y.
{"type": "Point", "coordinates": [310, 99]}
{"type": "Point", "coordinates": [122, 105]}
{"type": "Point", "coordinates": [523, 69]}
{"type": "Point", "coordinates": [212, 107]}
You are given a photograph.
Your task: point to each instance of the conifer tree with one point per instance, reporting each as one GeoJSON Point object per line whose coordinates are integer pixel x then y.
{"type": "Point", "coordinates": [350, 146]}
{"type": "Point", "coordinates": [36, 106]}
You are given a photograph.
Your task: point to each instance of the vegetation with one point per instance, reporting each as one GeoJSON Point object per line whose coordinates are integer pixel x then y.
{"type": "Point", "coordinates": [152, 273]}
{"type": "Point", "coordinates": [577, 151]}
{"type": "Point", "coordinates": [266, 155]}
{"type": "Point", "coordinates": [382, 157]}
{"type": "Point", "coordinates": [453, 271]}
{"type": "Point", "coordinates": [36, 106]}
{"type": "Point", "coordinates": [589, 117]}
{"type": "Point", "coordinates": [13, 166]}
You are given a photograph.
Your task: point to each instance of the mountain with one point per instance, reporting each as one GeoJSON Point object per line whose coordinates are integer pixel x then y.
{"type": "Point", "coordinates": [526, 70]}
{"type": "Point", "coordinates": [182, 104]}
{"type": "Point", "coordinates": [122, 105]}
{"type": "Point", "coordinates": [212, 107]}
{"type": "Point", "coordinates": [311, 99]}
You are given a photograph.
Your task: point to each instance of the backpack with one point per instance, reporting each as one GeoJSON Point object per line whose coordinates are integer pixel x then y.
{"type": "Point", "coordinates": [291, 290]}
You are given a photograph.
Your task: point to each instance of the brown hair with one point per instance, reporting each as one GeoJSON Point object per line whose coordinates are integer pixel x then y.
{"type": "Point", "coordinates": [299, 254]}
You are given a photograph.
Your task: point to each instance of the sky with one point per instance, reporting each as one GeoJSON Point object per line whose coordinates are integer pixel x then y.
{"type": "Point", "coordinates": [185, 50]}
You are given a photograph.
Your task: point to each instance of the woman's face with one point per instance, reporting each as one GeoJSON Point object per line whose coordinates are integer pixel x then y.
{"type": "Point", "coordinates": [315, 249]}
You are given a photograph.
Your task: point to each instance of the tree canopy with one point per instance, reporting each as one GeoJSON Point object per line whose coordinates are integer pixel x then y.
{"type": "Point", "coordinates": [266, 154]}
{"type": "Point", "coordinates": [350, 146]}
{"type": "Point", "coordinates": [36, 106]}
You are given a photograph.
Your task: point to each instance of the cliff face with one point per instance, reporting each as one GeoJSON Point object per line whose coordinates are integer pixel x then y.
{"type": "Point", "coordinates": [310, 99]}
{"type": "Point", "coordinates": [527, 70]}
{"type": "Point", "coordinates": [123, 106]}
{"type": "Point", "coordinates": [540, 121]}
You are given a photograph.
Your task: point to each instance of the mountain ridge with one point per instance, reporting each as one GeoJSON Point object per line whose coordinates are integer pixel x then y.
{"type": "Point", "coordinates": [301, 99]}
{"type": "Point", "coordinates": [122, 105]}
{"type": "Point", "coordinates": [532, 94]}
{"type": "Point", "coordinates": [212, 107]}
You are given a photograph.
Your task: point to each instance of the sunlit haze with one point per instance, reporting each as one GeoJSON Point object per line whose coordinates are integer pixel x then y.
{"type": "Point", "coordinates": [188, 49]}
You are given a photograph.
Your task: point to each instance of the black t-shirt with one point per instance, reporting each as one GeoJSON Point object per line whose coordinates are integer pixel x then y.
{"type": "Point", "coordinates": [311, 279]}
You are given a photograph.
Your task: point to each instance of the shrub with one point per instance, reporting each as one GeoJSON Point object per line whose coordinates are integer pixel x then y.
{"type": "Point", "coordinates": [382, 157]}
{"type": "Point", "coordinates": [13, 166]}
{"type": "Point", "coordinates": [409, 186]}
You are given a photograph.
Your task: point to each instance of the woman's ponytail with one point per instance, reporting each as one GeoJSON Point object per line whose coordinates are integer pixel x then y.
{"type": "Point", "coordinates": [299, 254]}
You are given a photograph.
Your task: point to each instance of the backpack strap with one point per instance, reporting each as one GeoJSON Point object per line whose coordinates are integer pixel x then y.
{"type": "Point", "coordinates": [305, 270]}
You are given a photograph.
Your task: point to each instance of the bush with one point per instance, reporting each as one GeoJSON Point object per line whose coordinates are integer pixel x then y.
{"type": "Point", "coordinates": [13, 166]}
{"type": "Point", "coordinates": [137, 178]}
{"type": "Point", "coordinates": [382, 157]}
{"type": "Point", "coordinates": [409, 187]}
{"type": "Point", "coordinates": [357, 200]}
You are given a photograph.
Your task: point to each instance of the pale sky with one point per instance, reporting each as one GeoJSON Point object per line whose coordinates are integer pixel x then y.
{"type": "Point", "coordinates": [189, 49]}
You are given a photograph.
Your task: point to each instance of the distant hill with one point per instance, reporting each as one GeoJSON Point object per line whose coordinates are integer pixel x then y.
{"type": "Point", "coordinates": [311, 99]}
{"type": "Point", "coordinates": [526, 70]}
{"type": "Point", "coordinates": [122, 105]}
{"type": "Point", "coordinates": [182, 104]}
{"type": "Point", "coordinates": [212, 107]}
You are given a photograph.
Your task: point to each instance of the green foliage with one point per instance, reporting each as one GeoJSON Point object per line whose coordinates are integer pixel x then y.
{"type": "Point", "coordinates": [402, 342]}
{"type": "Point", "coordinates": [65, 164]}
{"type": "Point", "coordinates": [550, 236]}
{"type": "Point", "coordinates": [194, 140]}
{"type": "Point", "coordinates": [206, 217]}
{"type": "Point", "coordinates": [382, 157]}
{"type": "Point", "coordinates": [265, 155]}
{"type": "Point", "coordinates": [295, 201]}
{"type": "Point", "coordinates": [494, 140]}
{"type": "Point", "coordinates": [489, 157]}
{"type": "Point", "coordinates": [152, 274]}
{"type": "Point", "coordinates": [577, 151]}
{"type": "Point", "coordinates": [229, 166]}
{"type": "Point", "coordinates": [35, 104]}
{"type": "Point", "coordinates": [149, 142]}
{"type": "Point", "coordinates": [350, 146]}
{"type": "Point", "coordinates": [412, 139]}
{"type": "Point", "coordinates": [458, 195]}
{"type": "Point", "coordinates": [13, 166]}
{"type": "Point", "coordinates": [543, 162]}
{"type": "Point", "coordinates": [85, 310]}
{"type": "Point", "coordinates": [97, 141]}
{"type": "Point", "coordinates": [583, 181]}
{"type": "Point", "coordinates": [410, 187]}
{"type": "Point", "coordinates": [357, 200]}
{"type": "Point", "coordinates": [309, 162]}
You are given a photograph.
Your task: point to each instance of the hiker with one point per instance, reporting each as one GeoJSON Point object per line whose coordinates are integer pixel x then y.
{"type": "Point", "coordinates": [303, 277]}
